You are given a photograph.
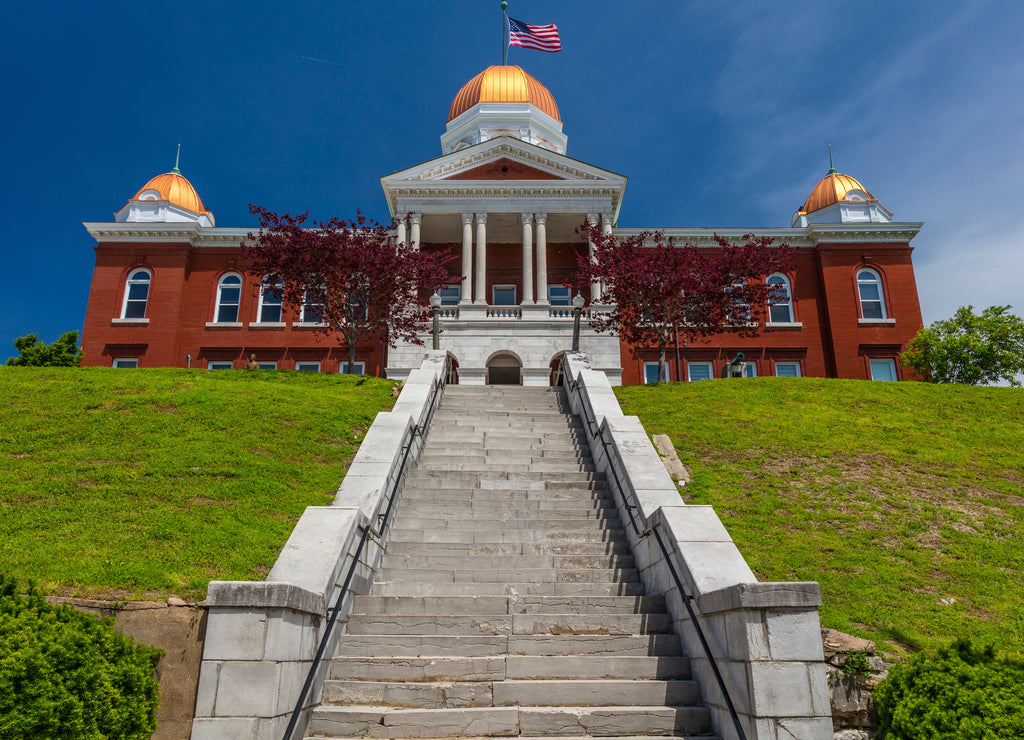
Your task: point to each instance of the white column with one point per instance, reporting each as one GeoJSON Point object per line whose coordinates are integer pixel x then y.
{"type": "Point", "coordinates": [481, 259]}
{"type": "Point", "coordinates": [400, 237]}
{"type": "Point", "coordinates": [542, 258]}
{"type": "Point", "coordinates": [467, 258]}
{"type": "Point", "coordinates": [527, 258]}
{"type": "Point", "coordinates": [606, 229]}
{"type": "Point", "coordinates": [595, 289]}
{"type": "Point", "coordinates": [414, 221]}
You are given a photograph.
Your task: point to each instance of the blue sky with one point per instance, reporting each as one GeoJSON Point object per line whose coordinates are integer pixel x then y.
{"type": "Point", "coordinates": [720, 114]}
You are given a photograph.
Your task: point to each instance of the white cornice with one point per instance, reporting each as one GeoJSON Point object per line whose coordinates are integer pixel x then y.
{"type": "Point", "coordinates": [808, 236]}
{"type": "Point", "coordinates": [185, 233]}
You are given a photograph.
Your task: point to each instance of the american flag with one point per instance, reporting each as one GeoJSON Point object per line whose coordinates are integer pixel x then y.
{"type": "Point", "coordinates": [541, 38]}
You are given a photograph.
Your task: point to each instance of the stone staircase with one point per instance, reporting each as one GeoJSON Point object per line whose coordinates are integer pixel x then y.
{"type": "Point", "coordinates": [507, 602]}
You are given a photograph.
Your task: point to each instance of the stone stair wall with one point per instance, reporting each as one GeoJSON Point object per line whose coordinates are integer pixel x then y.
{"type": "Point", "coordinates": [507, 602]}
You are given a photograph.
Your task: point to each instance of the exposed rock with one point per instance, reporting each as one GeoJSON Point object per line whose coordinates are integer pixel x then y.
{"type": "Point", "coordinates": [853, 709]}
{"type": "Point", "coordinates": [835, 641]}
{"type": "Point", "coordinates": [669, 458]}
{"type": "Point", "coordinates": [175, 601]}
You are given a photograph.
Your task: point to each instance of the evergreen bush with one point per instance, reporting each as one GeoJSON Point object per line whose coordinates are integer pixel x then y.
{"type": "Point", "coordinates": [962, 693]}
{"type": "Point", "coordinates": [69, 675]}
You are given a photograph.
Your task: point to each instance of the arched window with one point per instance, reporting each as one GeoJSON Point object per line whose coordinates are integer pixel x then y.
{"type": "Point", "coordinates": [869, 288]}
{"type": "Point", "coordinates": [780, 307]}
{"type": "Point", "coordinates": [136, 295]}
{"type": "Point", "coordinates": [271, 298]}
{"type": "Point", "coordinates": [229, 295]}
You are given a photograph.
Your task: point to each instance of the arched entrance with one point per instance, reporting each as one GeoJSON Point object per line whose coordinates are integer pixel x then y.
{"type": "Point", "coordinates": [504, 368]}
{"type": "Point", "coordinates": [453, 370]}
{"type": "Point", "coordinates": [556, 377]}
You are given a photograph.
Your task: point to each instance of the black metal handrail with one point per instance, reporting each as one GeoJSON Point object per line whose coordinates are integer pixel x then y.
{"type": "Point", "coordinates": [573, 386]}
{"type": "Point", "coordinates": [437, 387]}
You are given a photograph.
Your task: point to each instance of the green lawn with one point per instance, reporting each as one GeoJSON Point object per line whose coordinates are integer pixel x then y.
{"type": "Point", "coordinates": [893, 496]}
{"type": "Point", "coordinates": [153, 482]}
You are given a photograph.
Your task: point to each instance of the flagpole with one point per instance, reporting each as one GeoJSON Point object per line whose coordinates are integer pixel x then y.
{"type": "Point", "coordinates": [504, 33]}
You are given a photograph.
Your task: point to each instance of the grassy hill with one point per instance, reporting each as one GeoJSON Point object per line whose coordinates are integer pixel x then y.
{"type": "Point", "coordinates": [153, 482]}
{"type": "Point", "coordinates": [905, 501]}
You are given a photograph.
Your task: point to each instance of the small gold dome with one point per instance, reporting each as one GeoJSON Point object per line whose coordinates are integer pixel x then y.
{"type": "Point", "coordinates": [174, 188]}
{"type": "Point", "coordinates": [503, 84]}
{"type": "Point", "coordinates": [833, 188]}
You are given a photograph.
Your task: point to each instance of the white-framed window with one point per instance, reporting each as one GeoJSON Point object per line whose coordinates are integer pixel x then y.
{"type": "Point", "coordinates": [503, 295]}
{"type": "Point", "coordinates": [307, 367]}
{"type": "Point", "coordinates": [271, 302]}
{"type": "Point", "coordinates": [229, 297]}
{"type": "Point", "coordinates": [358, 368]}
{"type": "Point", "coordinates": [450, 295]}
{"type": "Point", "coordinates": [651, 372]}
{"type": "Point", "coordinates": [312, 311]}
{"type": "Point", "coordinates": [699, 371]}
{"type": "Point", "coordinates": [883, 368]}
{"type": "Point", "coordinates": [125, 362]}
{"type": "Point", "coordinates": [136, 294]}
{"type": "Point", "coordinates": [750, 371]}
{"type": "Point", "coordinates": [787, 368]}
{"type": "Point", "coordinates": [559, 295]}
{"type": "Point", "coordinates": [869, 289]}
{"type": "Point", "coordinates": [268, 366]}
{"type": "Point", "coordinates": [740, 310]}
{"type": "Point", "coordinates": [780, 309]}
{"type": "Point", "coordinates": [220, 365]}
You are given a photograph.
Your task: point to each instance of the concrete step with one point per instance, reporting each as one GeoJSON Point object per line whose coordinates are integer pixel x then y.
{"type": "Point", "coordinates": [508, 624]}
{"type": "Point", "coordinates": [495, 479]}
{"type": "Point", "coordinates": [390, 560]}
{"type": "Point", "coordinates": [619, 547]}
{"type": "Point", "coordinates": [505, 693]}
{"type": "Point", "coordinates": [512, 573]}
{"type": "Point", "coordinates": [511, 667]}
{"type": "Point", "coordinates": [517, 535]}
{"type": "Point", "coordinates": [483, 521]}
{"type": "Point", "coordinates": [492, 605]}
{"type": "Point", "coordinates": [472, 645]}
{"type": "Point", "coordinates": [486, 466]}
{"type": "Point", "coordinates": [457, 495]}
{"type": "Point", "coordinates": [497, 506]}
{"type": "Point", "coordinates": [385, 722]}
{"type": "Point", "coordinates": [506, 589]}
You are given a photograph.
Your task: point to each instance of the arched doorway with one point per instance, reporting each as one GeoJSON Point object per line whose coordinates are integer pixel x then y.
{"type": "Point", "coordinates": [555, 366]}
{"type": "Point", "coordinates": [504, 368]}
{"type": "Point", "coordinates": [453, 370]}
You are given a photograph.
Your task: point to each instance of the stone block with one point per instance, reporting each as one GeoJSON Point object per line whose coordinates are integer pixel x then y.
{"type": "Point", "coordinates": [206, 692]}
{"type": "Point", "coordinates": [234, 634]}
{"type": "Point", "coordinates": [750, 595]}
{"type": "Point", "coordinates": [709, 566]}
{"type": "Point", "coordinates": [290, 635]}
{"type": "Point", "coordinates": [247, 689]}
{"type": "Point", "coordinates": [226, 728]}
{"type": "Point", "coordinates": [688, 523]}
{"type": "Point", "coordinates": [311, 557]}
{"type": "Point", "coordinates": [781, 689]}
{"type": "Point", "coordinates": [794, 634]}
{"type": "Point", "coordinates": [804, 728]}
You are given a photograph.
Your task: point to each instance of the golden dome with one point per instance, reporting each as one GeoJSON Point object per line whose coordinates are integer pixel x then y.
{"type": "Point", "coordinates": [174, 188]}
{"type": "Point", "coordinates": [833, 188]}
{"type": "Point", "coordinates": [503, 84]}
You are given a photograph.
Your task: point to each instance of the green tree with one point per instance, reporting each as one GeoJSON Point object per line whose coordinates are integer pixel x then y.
{"type": "Point", "coordinates": [970, 348]}
{"type": "Point", "coordinates": [65, 352]}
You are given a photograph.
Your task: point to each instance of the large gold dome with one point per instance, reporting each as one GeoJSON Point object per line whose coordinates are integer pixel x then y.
{"type": "Point", "coordinates": [503, 84]}
{"type": "Point", "coordinates": [174, 188]}
{"type": "Point", "coordinates": [833, 188]}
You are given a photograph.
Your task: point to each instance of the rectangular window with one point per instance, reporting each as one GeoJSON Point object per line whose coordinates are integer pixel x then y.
{"type": "Point", "coordinates": [125, 362]}
{"type": "Point", "coordinates": [308, 367]}
{"type": "Point", "coordinates": [271, 300]}
{"type": "Point", "coordinates": [219, 365]}
{"type": "Point", "coordinates": [651, 372]}
{"type": "Point", "coordinates": [787, 369]}
{"type": "Point", "coordinates": [268, 366]}
{"type": "Point", "coordinates": [883, 369]}
{"type": "Point", "coordinates": [699, 371]}
{"type": "Point", "coordinates": [559, 295]}
{"type": "Point", "coordinates": [450, 295]}
{"type": "Point", "coordinates": [751, 369]}
{"type": "Point", "coordinates": [359, 368]}
{"type": "Point", "coordinates": [503, 295]}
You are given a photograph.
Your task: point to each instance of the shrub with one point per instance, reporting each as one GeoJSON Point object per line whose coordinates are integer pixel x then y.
{"type": "Point", "coordinates": [961, 693]}
{"type": "Point", "coordinates": [68, 675]}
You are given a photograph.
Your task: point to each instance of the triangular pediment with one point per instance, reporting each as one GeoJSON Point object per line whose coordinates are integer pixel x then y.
{"type": "Point", "coordinates": [504, 169]}
{"type": "Point", "coordinates": [484, 161]}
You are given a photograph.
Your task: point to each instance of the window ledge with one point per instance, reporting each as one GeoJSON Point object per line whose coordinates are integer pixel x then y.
{"type": "Point", "coordinates": [268, 325]}
{"type": "Point", "coordinates": [223, 324]}
{"type": "Point", "coordinates": [308, 325]}
{"type": "Point", "coordinates": [129, 322]}
{"type": "Point", "coordinates": [784, 325]}
{"type": "Point", "coordinates": [876, 322]}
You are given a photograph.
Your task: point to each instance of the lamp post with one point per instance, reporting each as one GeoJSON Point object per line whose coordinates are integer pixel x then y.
{"type": "Point", "coordinates": [577, 311]}
{"type": "Point", "coordinates": [435, 310]}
